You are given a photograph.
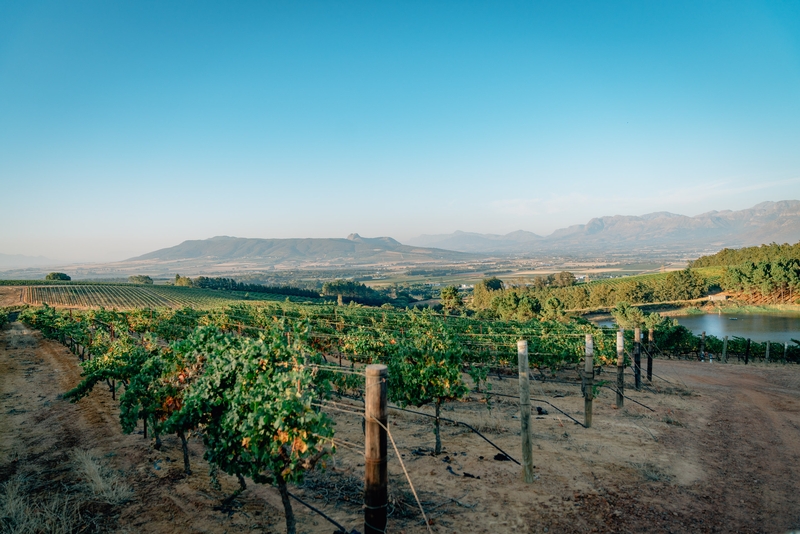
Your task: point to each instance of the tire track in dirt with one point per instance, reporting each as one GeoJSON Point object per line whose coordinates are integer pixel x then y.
{"type": "Point", "coordinates": [752, 447]}
{"type": "Point", "coordinates": [39, 431]}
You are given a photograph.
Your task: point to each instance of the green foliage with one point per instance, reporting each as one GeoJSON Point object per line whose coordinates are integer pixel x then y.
{"type": "Point", "coordinates": [57, 276]}
{"type": "Point", "coordinates": [775, 281]}
{"type": "Point", "coordinates": [627, 316]}
{"type": "Point", "coordinates": [140, 279]}
{"type": "Point", "coordinates": [425, 366]}
{"type": "Point", "coordinates": [564, 279]}
{"type": "Point", "coordinates": [352, 291]}
{"type": "Point", "coordinates": [553, 310]}
{"type": "Point", "coordinates": [183, 281]}
{"type": "Point", "coordinates": [229, 284]}
{"type": "Point", "coordinates": [515, 305]}
{"type": "Point", "coordinates": [765, 253]}
{"type": "Point", "coordinates": [450, 298]}
{"type": "Point", "coordinates": [484, 291]}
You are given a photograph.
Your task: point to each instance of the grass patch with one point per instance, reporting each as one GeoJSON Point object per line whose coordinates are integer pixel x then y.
{"type": "Point", "coordinates": [105, 485]}
{"type": "Point", "coordinates": [651, 472]}
{"type": "Point", "coordinates": [671, 421]}
{"type": "Point", "coordinates": [20, 514]}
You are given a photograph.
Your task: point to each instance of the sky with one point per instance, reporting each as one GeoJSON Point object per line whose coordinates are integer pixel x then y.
{"type": "Point", "coordinates": [129, 126]}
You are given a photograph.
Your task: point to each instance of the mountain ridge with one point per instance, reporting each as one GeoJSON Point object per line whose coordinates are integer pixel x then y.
{"type": "Point", "coordinates": [763, 223]}
{"type": "Point", "coordinates": [353, 249]}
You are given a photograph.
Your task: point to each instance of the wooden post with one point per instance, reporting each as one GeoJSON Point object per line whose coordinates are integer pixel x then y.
{"type": "Point", "coordinates": [620, 369]}
{"type": "Point", "coordinates": [725, 350]}
{"type": "Point", "coordinates": [650, 344]}
{"type": "Point", "coordinates": [376, 479]}
{"type": "Point", "coordinates": [747, 352]}
{"type": "Point", "coordinates": [785, 351]}
{"type": "Point", "coordinates": [766, 355]}
{"type": "Point", "coordinates": [637, 358]}
{"type": "Point", "coordinates": [588, 373]}
{"type": "Point", "coordinates": [702, 354]}
{"type": "Point", "coordinates": [525, 411]}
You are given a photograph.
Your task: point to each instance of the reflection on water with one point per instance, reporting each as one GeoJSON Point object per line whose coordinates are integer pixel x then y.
{"type": "Point", "coordinates": [766, 327]}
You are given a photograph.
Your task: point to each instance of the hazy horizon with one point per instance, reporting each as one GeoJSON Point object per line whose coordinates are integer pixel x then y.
{"type": "Point", "coordinates": [130, 127]}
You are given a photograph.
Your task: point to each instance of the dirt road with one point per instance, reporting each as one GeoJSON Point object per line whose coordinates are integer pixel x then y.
{"type": "Point", "coordinates": [720, 453]}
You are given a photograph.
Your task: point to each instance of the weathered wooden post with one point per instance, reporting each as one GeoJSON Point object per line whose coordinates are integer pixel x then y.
{"type": "Point", "coordinates": [620, 369]}
{"type": "Point", "coordinates": [376, 487]}
{"type": "Point", "coordinates": [525, 411]}
{"type": "Point", "coordinates": [650, 344]}
{"type": "Point", "coordinates": [747, 352]}
{"type": "Point", "coordinates": [785, 351]}
{"type": "Point", "coordinates": [588, 373]}
{"type": "Point", "coordinates": [702, 354]}
{"type": "Point", "coordinates": [766, 354]}
{"type": "Point", "coordinates": [725, 350]}
{"type": "Point", "coordinates": [637, 358]}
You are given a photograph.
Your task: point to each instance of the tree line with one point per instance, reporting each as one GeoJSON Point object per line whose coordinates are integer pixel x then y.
{"type": "Point", "coordinates": [775, 281]}
{"type": "Point", "coordinates": [229, 284]}
{"type": "Point", "coordinates": [492, 297]}
{"type": "Point", "coordinates": [764, 253]}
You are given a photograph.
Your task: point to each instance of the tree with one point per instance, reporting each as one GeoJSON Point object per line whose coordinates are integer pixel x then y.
{"type": "Point", "coordinates": [451, 300]}
{"type": "Point", "coordinates": [484, 292]}
{"type": "Point", "coordinates": [184, 281]}
{"type": "Point", "coordinates": [353, 291]}
{"type": "Point", "coordinates": [628, 316]}
{"type": "Point", "coordinates": [140, 279]}
{"type": "Point", "coordinates": [57, 276]}
{"type": "Point", "coordinates": [553, 310]}
{"type": "Point", "coordinates": [564, 279]}
{"type": "Point", "coordinates": [516, 305]}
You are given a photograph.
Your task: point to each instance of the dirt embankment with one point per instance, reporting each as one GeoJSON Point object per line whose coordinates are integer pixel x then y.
{"type": "Point", "coordinates": [720, 453]}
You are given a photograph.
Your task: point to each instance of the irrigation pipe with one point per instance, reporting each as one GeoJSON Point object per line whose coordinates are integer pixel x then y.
{"type": "Point", "coordinates": [458, 423]}
{"type": "Point", "coordinates": [630, 399]}
{"type": "Point", "coordinates": [342, 530]}
{"type": "Point", "coordinates": [540, 400]}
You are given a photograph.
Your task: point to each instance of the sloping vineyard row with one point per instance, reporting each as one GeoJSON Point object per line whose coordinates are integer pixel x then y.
{"type": "Point", "coordinates": [124, 297]}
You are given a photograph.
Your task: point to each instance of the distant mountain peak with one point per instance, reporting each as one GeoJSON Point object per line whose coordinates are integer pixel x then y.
{"type": "Point", "coordinates": [354, 237]}
{"type": "Point", "coordinates": [763, 223]}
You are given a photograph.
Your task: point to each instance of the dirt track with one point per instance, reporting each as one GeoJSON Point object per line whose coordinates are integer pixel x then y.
{"type": "Point", "coordinates": [721, 453]}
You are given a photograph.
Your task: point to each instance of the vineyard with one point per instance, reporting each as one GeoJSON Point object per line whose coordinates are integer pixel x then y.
{"type": "Point", "coordinates": [128, 296]}
{"type": "Point", "coordinates": [275, 390]}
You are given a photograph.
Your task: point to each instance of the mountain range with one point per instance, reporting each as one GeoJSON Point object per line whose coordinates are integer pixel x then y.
{"type": "Point", "coordinates": [659, 233]}
{"type": "Point", "coordinates": [763, 223]}
{"type": "Point", "coordinates": [16, 261]}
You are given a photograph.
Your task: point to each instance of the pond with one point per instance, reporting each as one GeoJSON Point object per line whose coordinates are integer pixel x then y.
{"type": "Point", "coordinates": [758, 327]}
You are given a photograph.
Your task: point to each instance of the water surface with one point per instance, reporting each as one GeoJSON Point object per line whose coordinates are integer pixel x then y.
{"type": "Point", "coordinates": [758, 327]}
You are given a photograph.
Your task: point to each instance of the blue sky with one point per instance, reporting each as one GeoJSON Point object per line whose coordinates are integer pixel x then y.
{"type": "Point", "coordinates": [130, 126]}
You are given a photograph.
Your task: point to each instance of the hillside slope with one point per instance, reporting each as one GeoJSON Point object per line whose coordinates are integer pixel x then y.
{"type": "Point", "coordinates": [353, 250]}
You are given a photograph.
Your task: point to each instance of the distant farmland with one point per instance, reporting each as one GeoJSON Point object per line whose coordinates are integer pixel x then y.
{"type": "Point", "coordinates": [124, 296]}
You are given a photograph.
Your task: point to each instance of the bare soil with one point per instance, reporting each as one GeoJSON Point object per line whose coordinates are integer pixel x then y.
{"type": "Point", "coordinates": [719, 453]}
{"type": "Point", "coordinates": [11, 296]}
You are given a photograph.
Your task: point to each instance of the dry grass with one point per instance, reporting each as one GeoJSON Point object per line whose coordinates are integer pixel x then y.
{"type": "Point", "coordinates": [102, 483]}
{"type": "Point", "coordinates": [651, 472]}
{"type": "Point", "coordinates": [20, 514]}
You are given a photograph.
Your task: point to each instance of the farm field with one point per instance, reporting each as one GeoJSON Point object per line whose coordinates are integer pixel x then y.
{"type": "Point", "coordinates": [123, 297]}
{"type": "Point", "coordinates": [718, 454]}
